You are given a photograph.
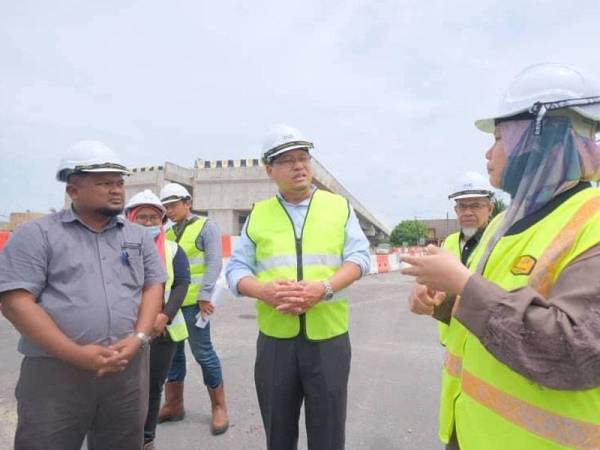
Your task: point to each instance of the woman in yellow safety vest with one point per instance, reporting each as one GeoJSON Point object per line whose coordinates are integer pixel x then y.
{"type": "Point", "coordinates": [146, 209]}
{"type": "Point", "coordinates": [522, 368]}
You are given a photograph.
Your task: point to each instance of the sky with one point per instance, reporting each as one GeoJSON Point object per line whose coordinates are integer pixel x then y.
{"type": "Point", "coordinates": [387, 90]}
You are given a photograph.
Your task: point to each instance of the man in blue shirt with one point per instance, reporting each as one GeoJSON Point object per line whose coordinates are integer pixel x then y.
{"type": "Point", "coordinates": [299, 368]}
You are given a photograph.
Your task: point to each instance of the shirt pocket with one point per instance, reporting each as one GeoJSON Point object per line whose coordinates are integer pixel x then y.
{"type": "Point", "coordinates": [131, 270]}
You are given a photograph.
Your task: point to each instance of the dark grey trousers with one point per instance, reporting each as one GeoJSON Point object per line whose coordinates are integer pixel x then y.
{"type": "Point", "coordinates": [58, 404]}
{"type": "Point", "coordinates": [290, 371]}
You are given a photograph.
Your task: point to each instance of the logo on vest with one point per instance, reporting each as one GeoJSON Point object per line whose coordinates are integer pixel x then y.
{"type": "Point", "coordinates": [524, 265]}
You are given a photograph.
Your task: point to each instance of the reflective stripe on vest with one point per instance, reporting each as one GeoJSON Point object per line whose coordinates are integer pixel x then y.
{"type": "Point", "coordinates": [196, 260]}
{"type": "Point", "coordinates": [177, 328]}
{"type": "Point", "coordinates": [187, 241]}
{"type": "Point", "coordinates": [334, 261]}
{"type": "Point", "coordinates": [315, 255]}
{"type": "Point", "coordinates": [497, 408]}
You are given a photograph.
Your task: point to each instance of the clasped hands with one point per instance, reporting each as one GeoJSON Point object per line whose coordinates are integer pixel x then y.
{"type": "Point", "coordinates": [438, 274]}
{"type": "Point", "coordinates": [106, 360]}
{"type": "Point", "coordinates": [114, 358]}
{"type": "Point", "coordinates": [292, 297]}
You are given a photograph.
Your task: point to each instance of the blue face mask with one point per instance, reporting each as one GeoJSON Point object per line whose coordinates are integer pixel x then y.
{"type": "Point", "coordinates": [154, 231]}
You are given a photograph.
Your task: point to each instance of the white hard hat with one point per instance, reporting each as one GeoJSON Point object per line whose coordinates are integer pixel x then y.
{"type": "Point", "coordinates": [471, 185]}
{"type": "Point", "coordinates": [283, 138]}
{"type": "Point", "coordinates": [173, 192]}
{"type": "Point", "coordinates": [146, 197]}
{"type": "Point", "coordinates": [547, 87]}
{"type": "Point", "coordinates": [89, 156]}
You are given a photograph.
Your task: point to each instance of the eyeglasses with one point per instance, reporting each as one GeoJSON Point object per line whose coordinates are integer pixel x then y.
{"type": "Point", "coordinates": [471, 206]}
{"type": "Point", "coordinates": [152, 219]}
{"type": "Point", "coordinates": [289, 162]}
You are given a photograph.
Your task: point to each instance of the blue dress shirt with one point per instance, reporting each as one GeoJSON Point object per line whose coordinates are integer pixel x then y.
{"type": "Point", "coordinates": [243, 260]}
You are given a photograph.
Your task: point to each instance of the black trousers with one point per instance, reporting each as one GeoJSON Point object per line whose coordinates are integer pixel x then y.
{"type": "Point", "coordinates": [288, 372]}
{"type": "Point", "coordinates": [58, 404]}
{"type": "Point", "coordinates": [162, 350]}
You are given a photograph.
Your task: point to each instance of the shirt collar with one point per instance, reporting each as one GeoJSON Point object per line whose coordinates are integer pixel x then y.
{"type": "Point", "coordinates": [70, 215]}
{"type": "Point", "coordinates": [305, 202]}
{"type": "Point", "coordinates": [178, 227]}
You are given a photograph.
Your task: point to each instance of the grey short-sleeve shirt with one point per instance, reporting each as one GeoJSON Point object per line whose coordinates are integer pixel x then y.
{"type": "Point", "coordinates": [89, 282]}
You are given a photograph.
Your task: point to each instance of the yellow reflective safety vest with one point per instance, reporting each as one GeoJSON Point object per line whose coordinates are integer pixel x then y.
{"type": "Point", "coordinates": [187, 241]}
{"type": "Point", "coordinates": [314, 255]}
{"type": "Point", "coordinates": [494, 407]}
{"type": "Point", "coordinates": [177, 329]}
{"type": "Point", "coordinates": [453, 339]}
{"type": "Point", "coordinates": [452, 244]}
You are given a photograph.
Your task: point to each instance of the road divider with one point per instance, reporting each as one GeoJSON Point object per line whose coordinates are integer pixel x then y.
{"type": "Point", "coordinates": [4, 236]}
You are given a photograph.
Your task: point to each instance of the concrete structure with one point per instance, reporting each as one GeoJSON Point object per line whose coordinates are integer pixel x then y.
{"type": "Point", "coordinates": [17, 219]}
{"type": "Point", "coordinates": [226, 190]}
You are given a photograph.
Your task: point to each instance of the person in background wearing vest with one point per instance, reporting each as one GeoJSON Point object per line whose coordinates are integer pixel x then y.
{"type": "Point", "coordinates": [297, 254]}
{"type": "Point", "coordinates": [83, 286]}
{"type": "Point", "coordinates": [522, 368]}
{"type": "Point", "coordinates": [200, 239]}
{"type": "Point", "coordinates": [146, 209]}
{"type": "Point", "coordinates": [473, 207]}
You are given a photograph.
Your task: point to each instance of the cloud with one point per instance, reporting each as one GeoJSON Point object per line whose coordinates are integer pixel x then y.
{"type": "Point", "coordinates": [387, 89]}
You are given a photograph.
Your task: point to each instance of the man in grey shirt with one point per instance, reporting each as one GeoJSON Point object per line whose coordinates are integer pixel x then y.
{"type": "Point", "coordinates": [83, 287]}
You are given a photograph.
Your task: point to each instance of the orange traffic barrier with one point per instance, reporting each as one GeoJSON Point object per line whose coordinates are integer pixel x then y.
{"type": "Point", "coordinates": [226, 244]}
{"type": "Point", "coordinates": [383, 263]}
{"type": "Point", "coordinates": [4, 236]}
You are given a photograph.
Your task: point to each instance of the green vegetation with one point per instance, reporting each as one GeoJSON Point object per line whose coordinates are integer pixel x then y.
{"type": "Point", "coordinates": [408, 232]}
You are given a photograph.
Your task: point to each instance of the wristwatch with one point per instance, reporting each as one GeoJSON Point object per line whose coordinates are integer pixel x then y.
{"type": "Point", "coordinates": [143, 337]}
{"type": "Point", "coordinates": [328, 290]}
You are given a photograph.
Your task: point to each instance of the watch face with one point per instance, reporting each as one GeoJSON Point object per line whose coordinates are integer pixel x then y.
{"type": "Point", "coordinates": [144, 338]}
{"type": "Point", "coordinates": [329, 293]}
{"type": "Point", "coordinates": [328, 290]}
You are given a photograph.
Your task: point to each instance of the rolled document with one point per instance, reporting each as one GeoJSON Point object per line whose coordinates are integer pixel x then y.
{"type": "Point", "coordinates": [216, 297]}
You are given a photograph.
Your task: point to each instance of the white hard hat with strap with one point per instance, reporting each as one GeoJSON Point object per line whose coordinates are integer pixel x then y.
{"type": "Point", "coordinates": [89, 157]}
{"type": "Point", "coordinates": [173, 192]}
{"type": "Point", "coordinates": [283, 138]}
{"type": "Point", "coordinates": [471, 185]}
{"type": "Point", "coordinates": [543, 88]}
{"type": "Point", "coordinates": [146, 197]}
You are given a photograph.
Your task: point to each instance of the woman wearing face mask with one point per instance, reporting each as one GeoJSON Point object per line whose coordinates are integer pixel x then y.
{"type": "Point", "coordinates": [522, 369]}
{"type": "Point", "coordinates": [146, 209]}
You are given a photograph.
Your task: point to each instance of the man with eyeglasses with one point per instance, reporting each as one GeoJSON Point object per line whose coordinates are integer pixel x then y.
{"type": "Point", "coordinates": [297, 254]}
{"type": "Point", "coordinates": [473, 207]}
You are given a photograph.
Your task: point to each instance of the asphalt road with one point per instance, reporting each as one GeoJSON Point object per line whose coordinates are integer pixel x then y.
{"type": "Point", "coordinates": [394, 381]}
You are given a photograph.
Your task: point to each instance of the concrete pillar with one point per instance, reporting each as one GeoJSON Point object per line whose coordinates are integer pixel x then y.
{"type": "Point", "coordinates": [369, 230]}
{"type": "Point", "coordinates": [226, 219]}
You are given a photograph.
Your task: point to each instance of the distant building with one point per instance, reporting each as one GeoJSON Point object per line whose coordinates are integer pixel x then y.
{"type": "Point", "coordinates": [17, 219]}
{"type": "Point", "coordinates": [439, 229]}
{"type": "Point", "coordinates": [225, 190]}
